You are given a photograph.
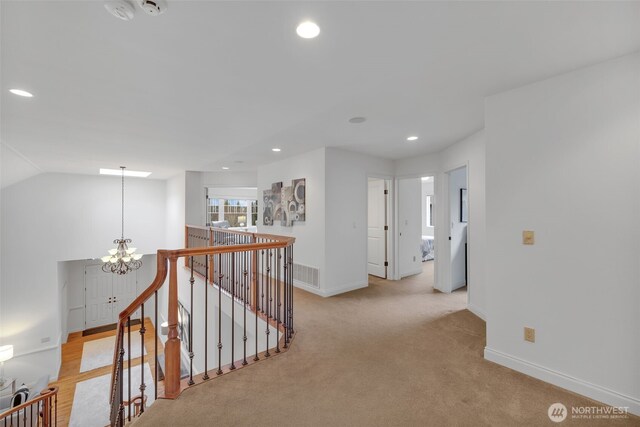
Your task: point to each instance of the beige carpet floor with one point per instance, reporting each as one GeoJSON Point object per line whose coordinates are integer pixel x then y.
{"type": "Point", "coordinates": [393, 354]}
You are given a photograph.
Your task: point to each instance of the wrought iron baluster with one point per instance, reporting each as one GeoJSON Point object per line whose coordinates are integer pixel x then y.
{"type": "Point", "coordinates": [255, 295]}
{"type": "Point", "coordinates": [121, 385]}
{"type": "Point", "coordinates": [278, 305]}
{"type": "Point", "coordinates": [233, 310]}
{"type": "Point", "coordinates": [262, 283]}
{"type": "Point", "coordinates": [285, 298]}
{"type": "Point", "coordinates": [219, 372]}
{"type": "Point", "coordinates": [206, 317]}
{"type": "Point", "coordinates": [267, 331]}
{"type": "Point", "coordinates": [129, 362]}
{"type": "Point", "coordinates": [142, 384]}
{"type": "Point", "coordinates": [191, 282]}
{"type": "Point", "coordinates": [245, 293]}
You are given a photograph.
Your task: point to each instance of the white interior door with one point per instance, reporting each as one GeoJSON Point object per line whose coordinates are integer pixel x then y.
{"type": "Point", "coordinates": [98, 296]}
{"type": "Point", "coordinates": [124, 292]}
{"type": "Point", "coordinates": [376, 235]}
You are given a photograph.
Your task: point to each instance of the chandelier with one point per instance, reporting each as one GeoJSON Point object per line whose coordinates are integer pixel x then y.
{"type": "Point", "coordinates": [122, 259]}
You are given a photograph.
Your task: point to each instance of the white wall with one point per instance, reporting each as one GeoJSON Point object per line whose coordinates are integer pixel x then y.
{"type": "Point", "coordinates": [346, 217]}
{"type": "Point", "coordinates": [469, 152]}
{"type": "Point", "coordinates": [334, 236]}
{"type": "Point", "coordinates": [427, 190]}
{"type": "Point", "coordinates": [457, 229]}
{"type": "Point", "coordinates": [409, 226]}
{"type": "Point", "coordinates": [309, 248]}
{"type": "Point", "coordinates": [563, 159]}
{"type": "Point", "coordinates": [56, 217]}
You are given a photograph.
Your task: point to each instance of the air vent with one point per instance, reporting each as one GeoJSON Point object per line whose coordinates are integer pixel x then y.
{"type": "Point", "coordinates": [303, 274]}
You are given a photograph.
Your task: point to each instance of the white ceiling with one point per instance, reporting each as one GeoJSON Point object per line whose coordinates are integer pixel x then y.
{"type": "Point", "coordinates": [208, 84]}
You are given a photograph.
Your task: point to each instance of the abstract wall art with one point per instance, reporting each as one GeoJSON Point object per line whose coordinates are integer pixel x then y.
{"type": "Point", "coordinates": [285, 205]}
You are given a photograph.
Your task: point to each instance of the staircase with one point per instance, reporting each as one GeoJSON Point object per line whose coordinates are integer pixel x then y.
{"type": "Point", "coordinates": [227, 303]}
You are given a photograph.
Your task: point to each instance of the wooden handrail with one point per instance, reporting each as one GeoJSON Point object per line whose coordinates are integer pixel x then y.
{"type": "Point", "coordinates": [164, 257]}
{"type": "Point", "coordinates": [47, 394]}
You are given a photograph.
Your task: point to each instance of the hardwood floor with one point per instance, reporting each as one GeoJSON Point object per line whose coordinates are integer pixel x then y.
{"type": "Point", "coordinates": [70, 374]}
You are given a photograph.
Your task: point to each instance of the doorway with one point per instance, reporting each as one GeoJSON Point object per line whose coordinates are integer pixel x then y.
{"type": "Point", "coordinates": [106, 295]}
{"type": "Point", "coordinates": [458, 218]}
{"type": "Point", "coordinates": [377, 227]}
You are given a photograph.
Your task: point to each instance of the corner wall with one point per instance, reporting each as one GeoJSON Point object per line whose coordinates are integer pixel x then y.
{"type": "Point", "coordinates": [346, 217]}
{"type": "Point", "coordinates": [469, 152]}
{"type": "Point", "coordinates": [563, 159]}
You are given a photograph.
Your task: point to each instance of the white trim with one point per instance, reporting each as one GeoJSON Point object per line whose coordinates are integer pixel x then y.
{"type": "Point", "coordinates": [78, 307]}
{"type": "Point", "coordinates": [475, 310]}
{"type": "Point", "coordinates": [412, 273]}
{"type": "Point", "coordinates": [331, 292]}
{"type": "Point", "coordinates": [565, 381]}
{"type": "Point", "coordinates": [345, 288]}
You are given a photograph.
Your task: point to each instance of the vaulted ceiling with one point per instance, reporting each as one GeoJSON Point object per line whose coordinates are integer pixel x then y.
{"type": "Point", "coordinates": [211, 84]}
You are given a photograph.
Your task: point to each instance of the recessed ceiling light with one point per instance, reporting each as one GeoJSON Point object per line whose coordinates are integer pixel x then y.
{"type": "Point", "coordinates": [21, 92]}
{"type": "Point", "coordinates": [356, 120]}
{"type": "Point", "coordinates": [277, 150]}
{"type": "Point", "coordinates": [127, 172]}
{"type": "Point", "coordinates": [308, 30]}
{"type": "Point", "coordinates": [225, 168]}
{"type": "Point", "coordinates": [412, 138]}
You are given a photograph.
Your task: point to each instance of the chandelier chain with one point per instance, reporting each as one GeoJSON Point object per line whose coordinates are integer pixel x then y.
{"type": "Point", "coordinates": [122, 167]}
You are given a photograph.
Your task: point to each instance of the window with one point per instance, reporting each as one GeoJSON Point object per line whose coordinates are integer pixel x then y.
{"type": "Point", "coordinates": [239, 213]}
{"type": "Point", "coordinates": [429, 211]}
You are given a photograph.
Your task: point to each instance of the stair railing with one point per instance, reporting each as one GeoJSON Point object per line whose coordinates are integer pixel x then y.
{"type": "Point", "coordinates": [40, 411]}
{"type": "Point", "coordinates": [249, 273]}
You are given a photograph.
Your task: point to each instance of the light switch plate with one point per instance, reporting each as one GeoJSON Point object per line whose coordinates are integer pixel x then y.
{"type": "Point", "coordinates": [528, 237]}
{"type": "Point", "coordinates": [529, 334]}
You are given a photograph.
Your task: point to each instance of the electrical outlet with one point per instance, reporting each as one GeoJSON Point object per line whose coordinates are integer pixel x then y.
{"type": "Point", "coordinates": [529, 334]}
{"type": "Point", "coordinates": [528, 237]}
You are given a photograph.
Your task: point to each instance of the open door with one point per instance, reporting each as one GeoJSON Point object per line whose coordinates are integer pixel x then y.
{"type": "Point", "coordinates": [377, 229]}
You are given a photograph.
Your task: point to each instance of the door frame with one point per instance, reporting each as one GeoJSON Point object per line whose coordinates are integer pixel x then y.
{"type": "Point", "coordinates": [437, 214]}
{"type": "Point", "coordinates": [389, 185]}
{"type": "Point", "coordinates": [445, 284]}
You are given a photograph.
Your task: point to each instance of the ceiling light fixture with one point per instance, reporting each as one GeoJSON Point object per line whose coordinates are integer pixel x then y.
{"type": "Point", "coordinates": [225, 168]}
{"type": "Point", "coordinates": [412, 138]}
{"type": "Point", "coordinates": [308, 30]}
{"type": "Point", "coordinates": [276, 150]}
{"type": "Point", "coordinates": [356, 120]}
{"type": "Point", "coordinates": [21, 92]}
{"type": "Point", "coordinates": [135, 174]}
{"type": "Point", "coordinates": [122, 259]}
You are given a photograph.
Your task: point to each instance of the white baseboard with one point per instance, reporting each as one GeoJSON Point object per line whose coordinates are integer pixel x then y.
{"type": "Point", "coordinates": [346, 288]}
{"type": "Point", "coordinates": [331, 292]}
{"type": "Point", "coordinates": [559, 379]}
{"type": "Point", "coordinates": [411, 273]}
{"type": "Point", "coordinates": [475, 310]}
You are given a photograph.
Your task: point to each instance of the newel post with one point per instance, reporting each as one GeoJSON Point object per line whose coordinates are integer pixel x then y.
{"type": "Point", "coordinates": [172, 346]}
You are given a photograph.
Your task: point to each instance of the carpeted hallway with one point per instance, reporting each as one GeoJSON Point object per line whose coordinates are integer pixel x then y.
{"type": "Point", "coordinates": [393, 354]}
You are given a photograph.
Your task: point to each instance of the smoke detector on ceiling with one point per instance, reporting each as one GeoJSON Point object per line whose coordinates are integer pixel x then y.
{"type": "Point", "coordinates": [121, 9]}
{"type": "Point", "coordinates": [153, 7]}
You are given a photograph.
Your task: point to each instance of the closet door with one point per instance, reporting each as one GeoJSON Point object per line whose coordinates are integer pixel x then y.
{"type": "Point", "coordinates": [98, 296]}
